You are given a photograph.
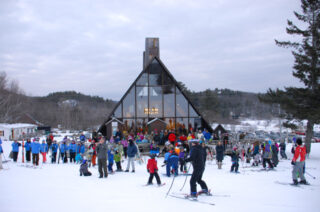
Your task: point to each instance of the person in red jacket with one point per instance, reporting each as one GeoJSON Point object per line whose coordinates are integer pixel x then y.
{"type": "Point", "coordinates": [298, 161]}
{"type": "Point", "coordinates": [172, 138]}
{"type": "Point", "coordinates": [152, 168]}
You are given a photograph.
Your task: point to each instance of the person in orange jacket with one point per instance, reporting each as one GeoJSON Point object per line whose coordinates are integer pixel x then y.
{"type": "Point", "coordinates": [298, 161]}
{"type": "Point", "coordinates": [152, 168]}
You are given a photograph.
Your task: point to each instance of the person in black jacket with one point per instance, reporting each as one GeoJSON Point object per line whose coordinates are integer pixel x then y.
{"type": "Point", "coordinates": [197, 157]}
{"type": "Point", "coordinates": [102, 150]}
{"type": "Point", "coordinates": [219, 154]}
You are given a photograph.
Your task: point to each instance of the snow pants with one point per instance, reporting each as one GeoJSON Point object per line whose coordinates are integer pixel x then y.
{"type": "Point", "coordinates": [102, 166]}
{"type": "Point", "coordinates": [119, 168]}
{"type": "Point", "coordinates": [72, 157]}
{"type": "Point", "coordinates": [234, 166]}
{"type": "Point", "coordinates": [15, 156]}
{"type": "Point", "coordinates": [125, 152]}
{"type": "Point", "coordinates": [44, 157]}
{"type": "Point", "coordinates": [197, 178]}
{"type": "Point", "coordinates": [110, 167]}
{"type": "Point", "coordinates": [267, 160]}
{"type": "Point", "coordinates": [35, 159]}
{"type": "Point", "coordinates": [54, 156]}
{"type": "Point", "coordinates": [155, 174]}
{"type": "Point", "coordinates": [130, 160]}
{"type": "Point", "coordinates": [298, 169]}
{"type": "Point", "coordinates": [64, 157]}
{"type": "Point", "coordinates": [283, 154]}
{"type": "Point", "coordinates": [183, 166]}
{"type": "Point", "coordinates": [28, 156]}
{"type": "Point", "coordinates": [1, 167]}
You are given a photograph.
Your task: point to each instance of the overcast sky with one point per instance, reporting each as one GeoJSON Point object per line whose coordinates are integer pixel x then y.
{"type": "Point", "coordinates": [95, 46]}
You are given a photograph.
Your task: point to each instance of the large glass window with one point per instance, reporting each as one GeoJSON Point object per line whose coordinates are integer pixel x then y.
{"type": "Point", "coordinates": [155, 73]}
{"type": "Point", "coordinates": [182, 125]}
{"type": "Point", "coordinates": [166, 79]}
{"type": "Point", "coordinates": [181, 104]}
{"type": "Point", "coordinates": [118, 111]}
{"type": "Point", "coordinates": [128, 104]}
{"type": "Point", "coordinates": [143, 79]}
{"type": "Point", "coordinates": [142, 101]}
{"type": "Point", "coordinates": [171, 123]}
{"type": "Point", "coordinates": [142, 125]}
{"type": "Point", "coordinates": [192, 112]}
{"type": "Point", "coordinates": [129, 125]}
{"type": "Point", "coordinates": [155, 102]}
{"type": "Point", "coordinates": [168, 98]}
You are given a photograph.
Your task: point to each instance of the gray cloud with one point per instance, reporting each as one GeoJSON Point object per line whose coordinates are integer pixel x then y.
{"type": "Point", "coordinates": [96, 46]}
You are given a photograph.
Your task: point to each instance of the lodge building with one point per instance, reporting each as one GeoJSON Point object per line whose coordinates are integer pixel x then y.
{"type": "Point", "coordinates": [154, 102]}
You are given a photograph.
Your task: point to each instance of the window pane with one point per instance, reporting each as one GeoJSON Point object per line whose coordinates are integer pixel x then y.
{"type": "Point", "coordinates": [182, 125]}
{"type": "Point", "coordinates": [171, 123]}
{"type": "Point", "coordinates": [128, 125]}
{"type": "Point", "coordinates": [192, 112]}
{"type": "Point", "coordinates": [118, 111]}
{"type": "Point", "coordinates": [155, 73]}
{"type": "Point", "coordinates": [166, 79]}
{"type": "Point", "coordinates": [182, 104]}
{"type": "Point", "coordinates": [168, 98]}
{"type": "Point", "coordinates": [142, 101]}
{"type": "Point", "coordinates": [142, 125]}
{"type": "Point", "coordinates": [155, 102]}
{"type": "Point", "coordinates": [143, 80]}
{"type": "Point", "coordinates": [128, 104]}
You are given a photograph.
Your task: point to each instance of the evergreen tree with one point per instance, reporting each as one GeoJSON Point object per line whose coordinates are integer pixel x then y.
{"type": "Point", "coordinates": [304, 102]}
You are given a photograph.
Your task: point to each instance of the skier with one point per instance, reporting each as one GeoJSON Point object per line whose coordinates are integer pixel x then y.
{"type": "Point", "coordinates": [1, 152]}
{"type": "Point", "coordinates": [173, 164]}
{"type": "Point", "coordinates": [110, 160]}
{"type": "Point", "coordinates": [152, 168]}
{"type": "Point", "coordinates": [283, 150]}
{"type": "Point", "coordinates": [54, 150]}
{"type": "Point", "coordinates": [298, 162]}
{"type": "Point", "coordinates": [44, 150]}
{"type": "Point", "coordinates": [219, 154]}
{"type": "Point", "coordinates": [63, 151]}
{"type": "Point", "coordinates": [182, 157]}
{"type": "Point", "coordinates": [267, 155]}
{"type": "Point", "coordinates": [15, 150]}
{"type": "Point", "coordinates": [84, 169]}
{"type": "Point", "coordinates": [275, 159]}
{"type": "Point", "coordinates": [131, 151]}
{"type": "Point", "coordinates": [117, 159]}
{"type": "Point", "coordinates": [72, 150]}
{"type": "Point", "coordinates": [124, 143]}
{"type": "Point", "coordinates": [198, 163]}
{"type": "Point", "coordinates": [235, 160]}
{"type": "Point", "coordinates": [102, 150]}
{"type": "Point", "coordinates": [93, 152]}
{"type": "Point", "coordinates": [35, 149]}
{"type": "Point", "coordinates": [27, 146]}
{"type": "Point", "coordinates": [256, 154]}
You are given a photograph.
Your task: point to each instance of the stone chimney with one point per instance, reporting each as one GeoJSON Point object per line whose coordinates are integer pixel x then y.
{"type": "Point", "coordinates": [152, 50]}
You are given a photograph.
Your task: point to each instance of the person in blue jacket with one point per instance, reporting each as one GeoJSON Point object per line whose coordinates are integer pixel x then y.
{"type": "Point", "coordinates": [15, 150]}
{"type": "Point", "coordinates": [73, 150]}
{"type": "Point", "coordinates": [63, 151]}
{"type": "Point", "coordinates": [173, 164]}
{"type": "Point", "coordinates": [110, 160]}
{"type": "Point", "coordinates": [82, 138]}
{"type": "Point", "coordinates": [131, 152]}
{"type": "Point", "coordinates": [206, 135]}
{"type": "Point", "coordinates": [80, 152]}
{"type": "Point", "coordinates": [27, 147]}
{"type": "Point", "coordinates": [44, 150]}
{"type": "Point", "coordinates": [35, 149]}
{"type": "Point", "coordinates": [1, 152]}
{"type": "Point", "coordinates": [54, 149]}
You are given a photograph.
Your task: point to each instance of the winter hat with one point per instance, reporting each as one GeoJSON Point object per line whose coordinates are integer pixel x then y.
{"type": "Point", "coordinates": [299, 141]}
{"type": "Point", "coordinates": [152, 156]}
{"type": "Point", "coordinates": [84, 161]}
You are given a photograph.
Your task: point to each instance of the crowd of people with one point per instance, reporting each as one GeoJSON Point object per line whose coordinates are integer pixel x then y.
{"type": "Point", "coordinates": [177, 152]}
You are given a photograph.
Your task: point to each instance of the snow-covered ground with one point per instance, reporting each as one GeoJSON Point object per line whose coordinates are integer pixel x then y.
{"type": "Point", "coordinates": [58, 187]}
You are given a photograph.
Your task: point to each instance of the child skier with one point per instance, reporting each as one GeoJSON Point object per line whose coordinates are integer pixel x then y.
{"type": "Point", "coordinates": [110, 161]}
{"type": "Point", "coordinates": [117, 159]}
{"type": "Point", "coordinates": [235, 160]}
{"type": "Point", "coordinates": [84, 169]}
{"type": "Point", "coordinates": [298, 162]}
{"type": "Point", "coordinates": [44, 150]}
{"type": "Point", "coordinates": [152, 168]}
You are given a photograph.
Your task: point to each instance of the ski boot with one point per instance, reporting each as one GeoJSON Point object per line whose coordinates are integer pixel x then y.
{"type": "Point", "coordinates": [304, 182]}
{"type": "Point", "coordinates": [204, 192]}
{"type": "Point", "coordinates": [193, 196]}
{"type": "Point", "coordinates": [295, 182]}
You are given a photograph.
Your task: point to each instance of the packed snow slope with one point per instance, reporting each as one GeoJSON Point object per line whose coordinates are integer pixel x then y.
{"type": "Point", "coordinates": [58, 187]}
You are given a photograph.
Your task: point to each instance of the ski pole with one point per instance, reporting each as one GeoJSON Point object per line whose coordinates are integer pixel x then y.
{"type": "Point", "coordinates": [174, 176]}
{"type": "Point", "coordinates": [185, 180]}
{"type": "Point", "coordinates": [313, 177]}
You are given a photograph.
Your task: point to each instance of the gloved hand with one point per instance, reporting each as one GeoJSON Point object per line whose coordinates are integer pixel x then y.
{"type": "Point", "coordinates": [148, 170]}
{"type": "Point", "coordinates": [293, 163]}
